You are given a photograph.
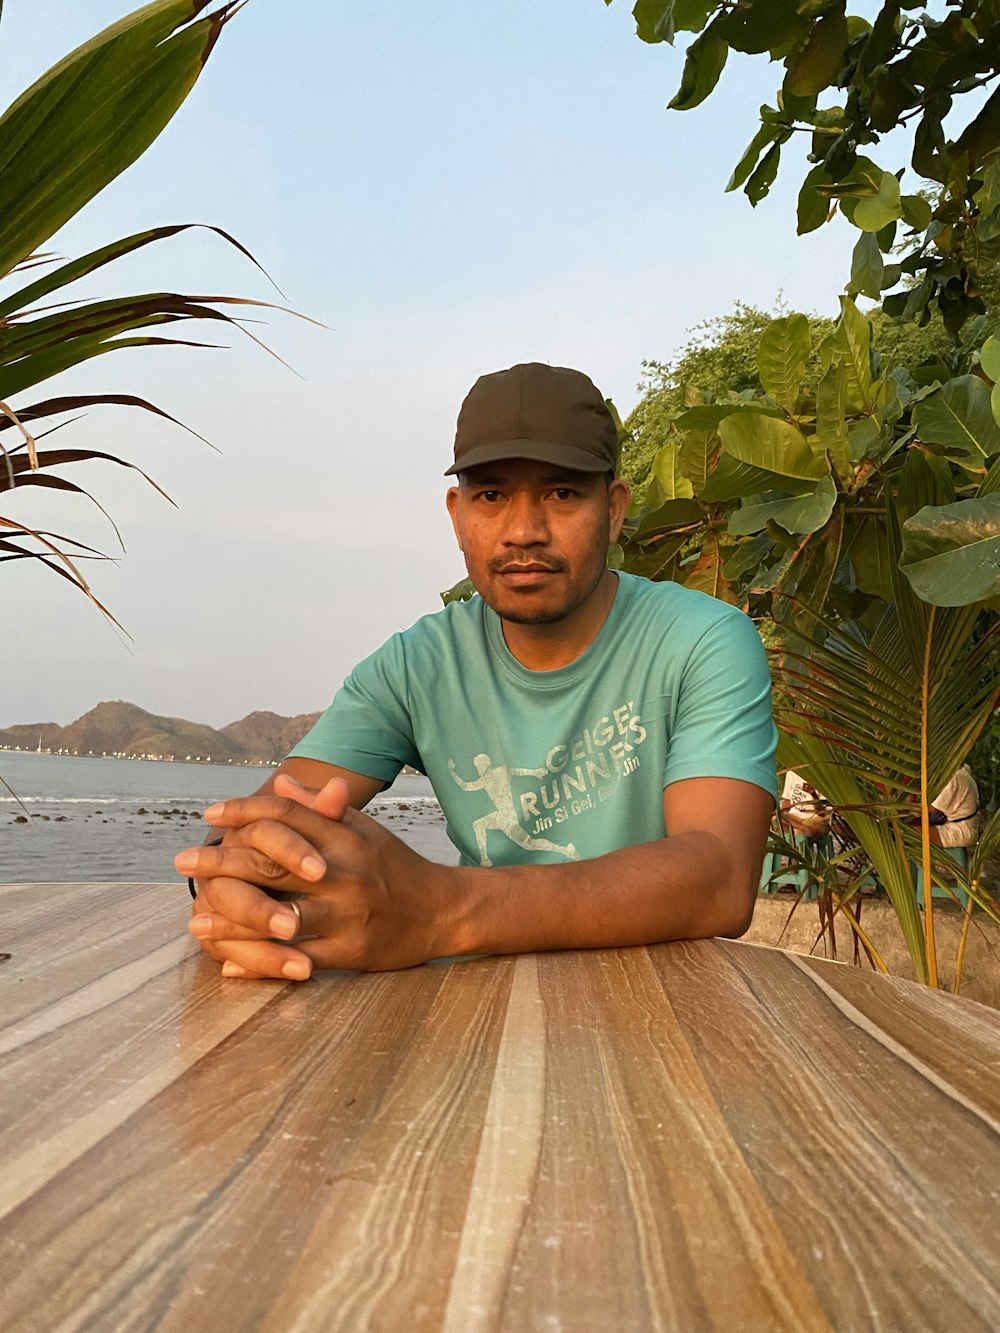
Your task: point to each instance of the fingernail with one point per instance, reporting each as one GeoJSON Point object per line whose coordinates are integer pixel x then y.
{"type": "Point", "coordinates": [313, 867]}
{"type": "Point", "coordinates": [200, 925]}
{"type": "Point", "coordinates": [211, 811]}
{"type": "Point", "coordinates": [233, 969]}
{"type": "Point", "coordinates": [186, 860]}
{"type": "Point", "coordinates": [284, 925]}
{"type": "Point", "coordinates": [296, 969]}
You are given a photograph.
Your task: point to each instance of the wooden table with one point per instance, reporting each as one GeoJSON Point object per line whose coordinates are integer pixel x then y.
{"type": "Point", "coordinates": [706, 1136]}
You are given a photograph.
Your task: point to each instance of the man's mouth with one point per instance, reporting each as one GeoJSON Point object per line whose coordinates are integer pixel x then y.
{"type": "Point", "coordinates": [535, 566]}
{"type": "Point", "coordinates": [526, 574]}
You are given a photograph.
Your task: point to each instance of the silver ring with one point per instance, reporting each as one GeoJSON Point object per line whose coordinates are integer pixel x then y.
{"type": "Point", "coordinates": [298, 912]}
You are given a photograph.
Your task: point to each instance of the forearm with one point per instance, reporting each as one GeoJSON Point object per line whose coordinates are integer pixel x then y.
{"type": "Point", "coordinates": [683, 887]}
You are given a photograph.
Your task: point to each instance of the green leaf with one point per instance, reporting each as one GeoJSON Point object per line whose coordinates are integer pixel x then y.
{"type": "Point", "coordinates": [916, 211]}
{"type": "Point", "coordinates": [706, 416]}
{"type": "Point", "coordinates": [656, 561]}
{"type": "Point", "coordinates": [747, 556]}
{"type": "Point", "coordinates": [923, 480]}
{"type": "Point", "coordinates": [851, 343]}
{"type": "Point", "coordinates": [782, 357]}
{"type": "Point", "coordinates": [755, 26]}
{"type": "Point", "coordinates": [958, 416]}
{"type": "Point", "coordinates": [867, 266]}
{"type": "Point", "coordinates": [763, 175]}
{"type": "Point", "coordinates": [987, 200]}
{"type": "Point", "coordinates": [876, 211]}
{"type": "Point", "coordinates": [799, 513]}
{"type": "Point", "coordinates": [891, 94]}
{"type": "Point", "coordinates": [704, 62]}
{"type": "Point", "coordinates": [765, 135]}
{"type": "Point", "coordinates": [831, 418]}
{"type": "Point", "coordinates": [89, 117]}
{"type": "Point", "coordinates": [989, 358]}
{"type": "Point", "coordinates": [776, 446]}
{"type": "Point", "coordinates": [667, 475]}
{"type": "Point", "coordinates": [731, 480]}
{"type": "Point", "coordinates": [863, 437]}
{"type": "Point", "coordinates": [813, 208]}
{"type": "Point", "coordinates": [871, 558]}
{"type": "Point", "coordinates": [459, 592]}
{"type": "Point", "coordinates": [105, 254]}
{"type": "Point", "coordinates": [816, 64]}
{"type": "Point", "coordinates": [951, 553]}
{"type": "Point", "coordinates": [659, 20]}
{"type": "Point", "coordinates": [671, 514]}
{"type": "Point", "coordinates": [696, 450]}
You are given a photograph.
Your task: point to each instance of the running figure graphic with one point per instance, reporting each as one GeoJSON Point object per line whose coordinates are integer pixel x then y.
{"type": "Point", "coordinates": [495, 781]}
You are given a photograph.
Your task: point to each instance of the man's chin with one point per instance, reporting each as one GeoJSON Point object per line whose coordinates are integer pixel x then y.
{"type": "Point", "coordinates": [520, 611]}
{"type": "Point", "coordinates": [522, 616]}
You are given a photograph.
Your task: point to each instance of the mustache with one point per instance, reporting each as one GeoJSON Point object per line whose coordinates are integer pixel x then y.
{"type": "Point", "coordinates": [516, 560]}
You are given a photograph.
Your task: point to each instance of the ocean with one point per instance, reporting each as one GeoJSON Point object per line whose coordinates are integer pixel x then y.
{"type": "Point", "coordinates": [88, 819]}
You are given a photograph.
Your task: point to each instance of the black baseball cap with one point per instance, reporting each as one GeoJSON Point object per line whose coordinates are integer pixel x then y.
{"type": "Point", "coordinates": [548, 413]}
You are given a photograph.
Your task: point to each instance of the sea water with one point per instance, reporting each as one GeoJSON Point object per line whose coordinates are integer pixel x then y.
{"type": "Point", "coordinates": [86, 819]}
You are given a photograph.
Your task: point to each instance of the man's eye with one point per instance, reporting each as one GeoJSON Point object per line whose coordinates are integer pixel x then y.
{"type": "Point", "coordinates": [490, 496]}
{"type": "Point", "coordinates": [564, 493]}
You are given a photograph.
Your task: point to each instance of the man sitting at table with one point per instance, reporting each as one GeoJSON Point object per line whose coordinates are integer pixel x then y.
{"type": "Point", "coordinates": [569, 719]}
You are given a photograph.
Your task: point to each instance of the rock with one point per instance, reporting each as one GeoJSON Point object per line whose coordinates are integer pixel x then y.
{"type": "Point", "coordinates": [142, 810]}
{"type": "Point", "coordinates": [20, 819]}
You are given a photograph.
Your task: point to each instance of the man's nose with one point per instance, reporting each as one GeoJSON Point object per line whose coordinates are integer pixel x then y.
{"type": "Point", "coordinates": [527, 522]}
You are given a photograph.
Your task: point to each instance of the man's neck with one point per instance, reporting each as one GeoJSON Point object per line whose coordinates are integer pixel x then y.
{"type": "Point", "coordinates": [548, 647]}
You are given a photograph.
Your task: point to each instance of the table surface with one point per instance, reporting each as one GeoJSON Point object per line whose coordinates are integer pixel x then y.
{"type": "Point", "coordinates": [693, 1136]}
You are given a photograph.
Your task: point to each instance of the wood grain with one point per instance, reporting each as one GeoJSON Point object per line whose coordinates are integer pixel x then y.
{"type": "Point", "coordinates": [703, 1136]}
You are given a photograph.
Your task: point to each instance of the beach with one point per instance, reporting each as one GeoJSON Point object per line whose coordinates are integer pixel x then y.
{"type": "Point", "coordinates": [88, 819]}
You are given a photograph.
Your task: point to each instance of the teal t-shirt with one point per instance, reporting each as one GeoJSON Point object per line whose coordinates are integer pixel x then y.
{"type": "Point", "coordinates": [544, 766]}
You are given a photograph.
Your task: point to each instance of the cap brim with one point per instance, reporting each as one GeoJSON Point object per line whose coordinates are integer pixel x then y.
{"type": "Point", "coordinates": [538, 451]}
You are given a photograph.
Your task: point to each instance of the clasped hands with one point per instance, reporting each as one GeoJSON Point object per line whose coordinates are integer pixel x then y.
{"type": "Point", "coordinates": [365, 900]}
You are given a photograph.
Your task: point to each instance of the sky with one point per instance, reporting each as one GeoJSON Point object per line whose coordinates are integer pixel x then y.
{"type": "Point", "coordinates": [446, 189]}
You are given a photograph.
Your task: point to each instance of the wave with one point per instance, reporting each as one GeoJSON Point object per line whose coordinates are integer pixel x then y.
{"type": "Point", "coordinates": [184, 803]}
{"type": "Point", "coordinates": [403, 799]}
{"type": "Point", "coordinates": [63, 800]}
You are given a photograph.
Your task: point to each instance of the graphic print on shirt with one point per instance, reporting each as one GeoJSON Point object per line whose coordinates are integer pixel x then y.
{"type": "Point", "coordinates": [575, 778]}
{"type": "Point", "coordinates": [495, 781]}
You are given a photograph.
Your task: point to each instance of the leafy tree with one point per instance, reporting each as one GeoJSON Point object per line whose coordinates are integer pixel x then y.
{"type": "Point", "coordinates": [845, 84]}
{"type": "Point", "coordinates": [720, 359]}
{"type": "Point", "coordinates": [61, 142]}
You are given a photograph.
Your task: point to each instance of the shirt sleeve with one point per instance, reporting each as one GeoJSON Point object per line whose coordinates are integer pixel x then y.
{"type": "Point", "coordinates": [367, 729]}
{"type": "Point", "coordinates": [723, 727]}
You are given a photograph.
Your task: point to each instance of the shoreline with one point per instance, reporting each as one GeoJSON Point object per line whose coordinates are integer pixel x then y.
{"type": "Point", "coordinates": [143, 758]}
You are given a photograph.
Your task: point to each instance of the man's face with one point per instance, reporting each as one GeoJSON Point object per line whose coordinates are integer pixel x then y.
{"type": "Point", "coordinates": [534, 536]}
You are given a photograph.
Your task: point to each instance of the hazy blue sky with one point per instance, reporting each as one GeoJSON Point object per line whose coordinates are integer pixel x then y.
{"type": "Point", "coordinates": [450, 188]}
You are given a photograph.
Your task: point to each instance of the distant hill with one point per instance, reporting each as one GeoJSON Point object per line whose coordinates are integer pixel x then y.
{"type": "Point", "coordinates": [117, 728]}
{"type": "Point", "coordinates": [269, 733]}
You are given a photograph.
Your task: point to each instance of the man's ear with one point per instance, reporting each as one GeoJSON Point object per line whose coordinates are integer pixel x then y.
{"type": "Point", "coordinates": [451, 500]}
{"type": "Point", "coordinates": [619, 496]}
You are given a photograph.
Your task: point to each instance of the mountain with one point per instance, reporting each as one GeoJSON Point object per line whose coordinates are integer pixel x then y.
{"type": "Point", "coordinates": [268, 733]}
{"type": "Point", "coordinates": [117, 728]}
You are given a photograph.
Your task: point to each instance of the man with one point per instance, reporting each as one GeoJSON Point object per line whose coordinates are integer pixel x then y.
{"type": "Point", "coordinates": [804, 808]}
{"type": "Point", "coordinates": [568, 717]}
{"type": "Point", "coordinates": [954, 813]}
